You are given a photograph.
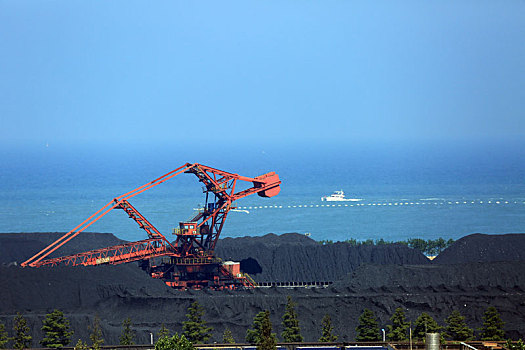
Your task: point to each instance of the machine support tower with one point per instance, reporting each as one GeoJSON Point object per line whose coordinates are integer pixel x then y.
{"type": "Point", "coordinates": [187, 262]}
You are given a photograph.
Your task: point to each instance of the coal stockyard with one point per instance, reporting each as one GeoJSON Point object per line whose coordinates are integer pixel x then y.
{"type": "Point", "coordinates": [475, 272]}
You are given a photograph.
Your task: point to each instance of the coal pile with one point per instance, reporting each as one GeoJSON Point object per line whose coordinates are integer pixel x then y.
{"type": "Point", "coordinates": [439, 289]}
{"type": "Point", "coordinates": [375, 282]}
{"type": "Point", "coordinates": [16, 248]}
{"type": "Point", "coordinates": [290, 257]}
{"type": "Point", "coordinates": [484, 248]}
{"type": "Point", "coordinates": [81, 292]}
{"type": "Point", "coordinates": [294, 257]}
{"type": "Point", "coordinates": [457, 278]}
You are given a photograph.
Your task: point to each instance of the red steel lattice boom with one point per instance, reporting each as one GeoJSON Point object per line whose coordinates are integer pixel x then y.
{"type": "Point", "coordinates": [190, 261]}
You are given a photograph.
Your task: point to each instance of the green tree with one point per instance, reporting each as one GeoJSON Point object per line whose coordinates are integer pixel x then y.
{"type": "Point", "coordinates": [96, 334]}
{"type": "Point", "coordinates": [81, 345]}
{"type": "Point", "coordinates": [456, 328]}
{"type": "Point", "coordinates": [418, 243]}
{"type": "Point", "coordinates": [267, 340]}
{"type": "Point", "coordinates": [4, 337]}
{"type": "Point", "coordinates": [425, 324]}
{"type": "Point", "coordinates": [253, 335]}
{"type": "Point", "coordinates": [327, 335]}
{"type": "Point", "coordinates": [163, 332]}
{"type": "Point", "coordinates": [195, 329]}
{"type": "Point", "coordinates": [227, 337]}
{"type": "Point", "coordinates": [351, 241]}
{"type": "Point", "coordinates": [127, 336]}
{"type": "Point", "coordinates": [492, 328]}
{"type": "Point", "coordinates": [292, 331]}
{"type": "Point", "coordinates": [518, 345]}
{"type": "Point", "coordinates": [381, 241]}
{"type": "Point", "coordinates": [22, 339]}
{"type": "Point", "coordinates": [440, 244]}
{"type": "Point", "coordinates": [174, 343]}
{"type": "Point", "coordinates": [398, 330]}
{"type": "Point", "coordinates": [368, 328]}
{"type": "Point", "coordinates": [56, 329]}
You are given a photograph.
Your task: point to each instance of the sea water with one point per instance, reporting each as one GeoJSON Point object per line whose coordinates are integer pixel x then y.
{"type": "Point", "coordinates": [425, 194]}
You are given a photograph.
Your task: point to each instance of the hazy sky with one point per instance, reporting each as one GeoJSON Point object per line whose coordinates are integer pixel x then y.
{"type": "Point", "coordinates": [96, 72]}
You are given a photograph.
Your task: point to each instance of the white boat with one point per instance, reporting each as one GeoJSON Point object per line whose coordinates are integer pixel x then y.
{"type": "Point", "coordinates": [339, 196]}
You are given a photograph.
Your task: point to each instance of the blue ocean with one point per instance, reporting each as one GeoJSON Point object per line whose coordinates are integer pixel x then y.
{"type": "Point", "coordinates": [405, 192]}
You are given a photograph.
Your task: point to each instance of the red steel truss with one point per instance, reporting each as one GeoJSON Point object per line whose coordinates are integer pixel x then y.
{"type": "Point", "coordinates": [196, 239]}
{"type": "Point", "coordinates": [124, 253]}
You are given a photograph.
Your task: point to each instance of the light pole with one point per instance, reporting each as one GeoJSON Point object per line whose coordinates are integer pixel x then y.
{"type": "Point", "coordinates": [151, 337]}
{"type": "Point", "coordinates": [410, 332]}
{"type": "Point", "coordinates": [384, 336]}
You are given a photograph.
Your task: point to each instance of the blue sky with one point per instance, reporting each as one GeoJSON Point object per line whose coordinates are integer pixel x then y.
{"type": "Point", "coordinates": [260, 72]}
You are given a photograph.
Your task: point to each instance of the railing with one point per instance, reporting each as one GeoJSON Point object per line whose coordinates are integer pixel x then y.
{"type": "Point", "coordinates": [450, 345]}
{"type": "Point", "coordinates": [178, 231]}
{"type": "Point", "coordinates": [483, 345]}
{"type": "Point", "coordinates": [197, 261]}
{"type": "Point", "coordinates": [294, 284]}
{"type": "Point", "coordinates": [414, 345]}
{"type": "Point", "coordinates": [465, 345]}
{"type": "Point", "coordinates": [249, 278]}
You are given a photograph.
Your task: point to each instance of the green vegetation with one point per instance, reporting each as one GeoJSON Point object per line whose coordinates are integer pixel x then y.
{"type": "Point", "coordinates": [368, 328]}
{"type": "Point", "coordinates": [429, 247]}
{"type": "Point", "coordinates": [253, 335]}
{"type": "Point", "coordinates": [456, 328]}
{"type": "Point", "coordinates": [227, 337]}
{"type": "Point", "coordinates": [327, 335]}
{"type": "Point", "coordinates": [425, 324]}
{"type": "Point", "coordinates": [519, 345]}
{"type": "Point", "coordinates": [163, 332]}
{"type": "Point", "coordinates": [4, 338]}
{"type": "Point", "coordinates": [398, 330]}
{"type": "Point", "coordinates": [195, 329]}
{"type": "Point", "coordinates": [292, 331]}
{"type": "Point", "coordinates": [492, 328]}
{"type": "Point", "coordinates": [22, 339]}
{"type": "Point", "coordinates": [57, 333]}
{"type": "Point", "coordinates": [174, 343]}
{"type": "Point", "coordinates": [81, 345]}
{"type": "Point", "coordinates": [127, 336]}
{"type": "Point", "coordinates": [267, 339]}
{"type": "Point", "coordinates": [96, 334]}
{"type": "Point", "coordinates": [261, 332]}
{"type": "Point", "coordinates": [56, 329]}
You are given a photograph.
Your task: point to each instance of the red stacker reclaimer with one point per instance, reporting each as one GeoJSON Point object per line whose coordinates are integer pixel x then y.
{"type": "Point", "coordinates": [189, 260]}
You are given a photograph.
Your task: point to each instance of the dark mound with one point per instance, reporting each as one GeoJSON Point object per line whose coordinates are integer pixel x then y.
{"type": "Point", "coordinates": [484, 248]}
{"type": "Point", "coordinates": [475, 277]}
{"type": "Point", "coordinates": [117, 292]}
{"type": "Point", "coordinates": [270, 258]}
{"type": "Point", "coordinates": [289, 257]}
{"type": "Point", "coordinates": [295, 257]}
{"type": "Point", "coordinates": [32, 289]}
{"type": "Point", "coordinates": [82, 293]}
{"type": "Point", "coordinates": [440, 289]}
{"type": "Point", "coordinates": [271, 239]}
{"type": "Point", "coordinates": [18, 247]}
